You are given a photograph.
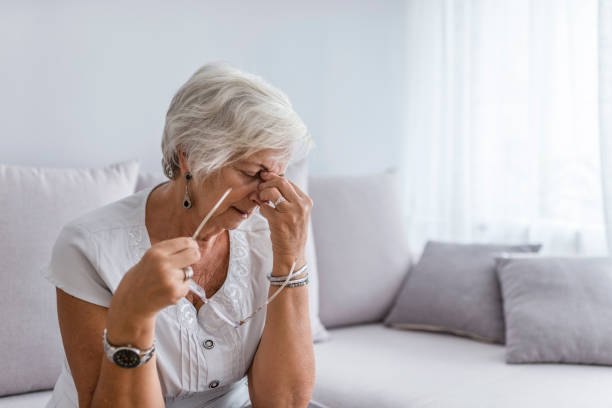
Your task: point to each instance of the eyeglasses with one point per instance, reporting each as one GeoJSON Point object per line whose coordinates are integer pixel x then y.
{"type": "Point", "coordinates": [198, 290]}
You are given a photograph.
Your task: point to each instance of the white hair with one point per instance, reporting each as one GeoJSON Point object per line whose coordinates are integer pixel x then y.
{"type": "Point", "coordinates": [221, 115]}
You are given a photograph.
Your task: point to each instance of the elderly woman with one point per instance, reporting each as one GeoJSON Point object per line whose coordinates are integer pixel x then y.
{"type": "Point", "coordinates": [133, 332]}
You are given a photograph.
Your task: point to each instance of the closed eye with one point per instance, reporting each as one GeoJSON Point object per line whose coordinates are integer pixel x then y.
{"type": "Point", "coordinates": [254, 175]}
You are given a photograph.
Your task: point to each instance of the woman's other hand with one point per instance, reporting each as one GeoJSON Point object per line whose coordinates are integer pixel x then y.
{"type": "Point", "coordinates": [288, 220]}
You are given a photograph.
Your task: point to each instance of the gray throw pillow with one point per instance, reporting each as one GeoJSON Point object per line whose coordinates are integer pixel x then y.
{"type": "Point", "coordinates": [557, 309]}
{"type": "Point", "coordinates": [453, 288]}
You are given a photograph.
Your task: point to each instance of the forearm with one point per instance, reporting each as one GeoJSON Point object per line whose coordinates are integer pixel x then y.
{"type": "Point", "coordinates": [284, 367]}
{"type": "Point", "coordinates": [135, 387]}
{"type": "Point", "coordinates": [128, 387]}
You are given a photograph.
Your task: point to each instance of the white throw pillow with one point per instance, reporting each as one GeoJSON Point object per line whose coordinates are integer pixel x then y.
{"type": "Point", "coordinates": [36, 203]}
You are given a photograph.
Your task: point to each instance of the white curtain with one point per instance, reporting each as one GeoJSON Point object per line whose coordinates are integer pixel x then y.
{"type": "Point", "coordinates": [502, 124]}
{"type": "Point", "coordinates": [605, 108]}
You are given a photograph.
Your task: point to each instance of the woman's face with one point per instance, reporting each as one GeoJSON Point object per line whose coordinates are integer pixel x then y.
{"type": "Point", "coordinates": [244, 178]}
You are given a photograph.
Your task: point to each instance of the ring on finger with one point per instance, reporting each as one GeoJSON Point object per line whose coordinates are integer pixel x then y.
{"type": "Point", "coordinates": [279, 200]}
{"type": "Point", "coordinates": [188, 272]}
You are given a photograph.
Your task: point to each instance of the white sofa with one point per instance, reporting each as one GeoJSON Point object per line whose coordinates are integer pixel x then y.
{"type": "Point", "coordinates": [365, 364]}
{"type": "Point", "coordinates": [375, 366]}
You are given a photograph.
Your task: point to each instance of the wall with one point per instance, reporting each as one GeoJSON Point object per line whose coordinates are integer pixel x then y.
{"type": "Point", "coordinates": [87, 84]}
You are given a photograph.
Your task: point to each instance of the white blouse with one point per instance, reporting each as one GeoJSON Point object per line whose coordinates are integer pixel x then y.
{"type": "Point", "coordinates": [202, 361]}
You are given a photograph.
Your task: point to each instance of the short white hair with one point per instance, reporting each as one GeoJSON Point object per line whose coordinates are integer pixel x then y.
{"type": "Point", "coordinates": [221, 115]}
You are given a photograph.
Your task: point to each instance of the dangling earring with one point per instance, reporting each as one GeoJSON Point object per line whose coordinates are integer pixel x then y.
{"type": "Point", "coordinates": [187, 198]}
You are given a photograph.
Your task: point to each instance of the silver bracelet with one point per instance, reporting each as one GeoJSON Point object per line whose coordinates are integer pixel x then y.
{"type": "Point", "coordinates": [272, 280]}
{"type": "Point", "coordinates": [282, 278]}
{"type": "Point", "coordinates": [291, 285]}
{"type": "Point", "coordinates": [280, 283]}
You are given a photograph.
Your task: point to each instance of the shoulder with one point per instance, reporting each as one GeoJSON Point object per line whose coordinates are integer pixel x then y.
{"type": "Point", "coordinates": [126, 212]}
{"type": "Point", "coordinates": [91, 253]}
{"type": "Point", "coordinates": [100, 229]}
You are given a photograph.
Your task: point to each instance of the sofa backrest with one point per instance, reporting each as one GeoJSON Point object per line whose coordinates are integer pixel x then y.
{"type": "Point", "coordinates": [360, 261]}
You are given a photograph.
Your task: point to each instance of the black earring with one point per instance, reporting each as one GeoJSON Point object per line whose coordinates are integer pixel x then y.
{"type": "Point", "coordinates": [187, 198]}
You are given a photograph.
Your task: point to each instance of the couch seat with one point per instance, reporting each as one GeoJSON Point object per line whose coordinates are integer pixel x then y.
{"type": "Point", "coordinates": [30, 400]}
{"type": "Point", "coordinates": [375, 366]}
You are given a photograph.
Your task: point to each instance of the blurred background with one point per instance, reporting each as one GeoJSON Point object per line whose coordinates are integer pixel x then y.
{"type": "Point", "coordinates": [494, 114]}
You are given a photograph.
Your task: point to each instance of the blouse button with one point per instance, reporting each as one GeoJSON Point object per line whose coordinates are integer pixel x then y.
{"type": "Point", "coordinates": [208, 344]}
{"type": "Point", "coordinates": [213, 384]}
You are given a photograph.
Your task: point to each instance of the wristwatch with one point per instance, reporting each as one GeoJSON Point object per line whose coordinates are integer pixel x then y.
{"type": "Point", "coordinates": [127, 356]}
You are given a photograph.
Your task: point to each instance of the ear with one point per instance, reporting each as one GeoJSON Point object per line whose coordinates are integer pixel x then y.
{"type": "Point", "coordinates": [182, 159]}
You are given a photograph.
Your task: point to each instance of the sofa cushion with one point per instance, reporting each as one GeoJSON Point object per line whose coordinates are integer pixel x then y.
{"type": "Point", "coordinates": [36, 203]}
{"type": "Point", "coordinates": [454, 288]}
{"type": "Point", "coordinates": [29, 400]}
{"type": "Point", "coordinates": [557, 309]}
{"type": "Point", "coordinates": [376, 366]}
{"type": "Point", "coordinates": [362, 252]}
{"type": "Point", "coordinates": [298, 173]}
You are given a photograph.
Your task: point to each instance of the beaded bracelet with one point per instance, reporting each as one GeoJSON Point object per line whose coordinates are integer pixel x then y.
{"type": "Point", "coordinates": [293, 285]}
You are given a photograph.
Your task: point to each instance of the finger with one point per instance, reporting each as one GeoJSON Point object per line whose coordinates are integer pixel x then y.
{"type": "Point", "coordinates": [171, 246]}
{"type": "Point", "coordinates": [181, 284]}
{"type": "Point", "coordinates": [183, 287]}
{"type": "Point", "coordinates": [298, 190]}
{"type": "Point", "coordinates": [282, 184]}
{"type": "Point", "coordinates": [182, 259]}
{"type": "Point", "coordinates": [177, 274]}
{"type": "Point", "coordinates": [178, 277]}
{"type": "Point", "coordinates": [305, 197]}
{"type": "Point", "coordinates": [270, 194]}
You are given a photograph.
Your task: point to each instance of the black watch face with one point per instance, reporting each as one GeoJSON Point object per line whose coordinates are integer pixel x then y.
{"type": "Point", "coordinates": [126, 358]}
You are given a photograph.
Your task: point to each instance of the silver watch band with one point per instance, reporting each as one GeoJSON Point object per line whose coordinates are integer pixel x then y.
{"type": "Point", "coordinates": [127, 356]}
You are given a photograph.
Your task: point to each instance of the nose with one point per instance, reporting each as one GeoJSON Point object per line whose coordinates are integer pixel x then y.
{"type": "Point", "coordinates": [254, 197]}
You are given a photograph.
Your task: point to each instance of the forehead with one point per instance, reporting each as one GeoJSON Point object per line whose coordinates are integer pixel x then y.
{"type": "Point", "coordinates": [267, 159]}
